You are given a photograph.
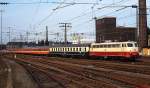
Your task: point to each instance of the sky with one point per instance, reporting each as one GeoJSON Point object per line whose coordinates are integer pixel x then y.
{"type": "Point", "coordinates": [23, 16]}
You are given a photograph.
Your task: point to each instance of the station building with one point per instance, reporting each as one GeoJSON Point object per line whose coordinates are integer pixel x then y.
{"type": "Point", "coordinates": [106, 30]}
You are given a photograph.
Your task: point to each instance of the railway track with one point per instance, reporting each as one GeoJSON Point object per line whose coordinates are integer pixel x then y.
{"type": "Point", "coordinates": [136, 67]}
{"type": "Point", "coordinates": [74, 73]}
{"type": "Point", "coordinates": [113, 74]}
{"type": "Point", "coordinates": [69, 77]}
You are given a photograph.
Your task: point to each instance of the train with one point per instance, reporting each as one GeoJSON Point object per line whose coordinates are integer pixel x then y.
{"type": "Point", "coordinates": [127, 49]}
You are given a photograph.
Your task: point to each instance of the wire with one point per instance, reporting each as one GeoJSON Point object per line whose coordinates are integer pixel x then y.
{"type": "Point", "coordinates": [83, 3]}
{"type": "Point", "coordinates": [59, 5]}
{"type": "Point", "coordinates": [36, 12]}
{"type": "Point", "coordinates": [93, 11]}
{"type": "Point", "coordinates": [63, 6]}
{"type": "Point", "coordinates": [79, 15]}
{"type": "Point", "coordinates": [53, 11]}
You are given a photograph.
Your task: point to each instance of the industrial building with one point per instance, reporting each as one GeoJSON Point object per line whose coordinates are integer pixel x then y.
{"type": "Point", "coordinates": [106, 30]}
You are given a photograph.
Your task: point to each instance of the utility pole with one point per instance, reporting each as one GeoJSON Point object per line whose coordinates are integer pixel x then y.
{"type": "Point", "coordinates": [137, 22]}
{"type": "Point", "coordinates": [9, 33]}
{"type": "Point", "coordinates": [21, 37]}
{"type": "Point", "coordinates": [1, 11]}
{"type": "Point", "coordinates": [46, 41]}
{"type": "Point", "coordinates": [27, 33]}
{"type": "Point", "coordinates": [143, 36]}
{"type": "Point", "coordinates": [65, 26]}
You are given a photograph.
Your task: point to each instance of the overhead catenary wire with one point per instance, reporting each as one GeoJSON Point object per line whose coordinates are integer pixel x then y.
{"type": "Point", "coordinates": [68, 4]}
{"type": "Point", "coordinates": [77, 16]}
{"type": "Point", "coordinates": [74, 4]}
{"type": "Point", "coordinates": [53, 11]}
{"type": "Point", "coordinates": [117, 10]}
{"type": "Point", "coordinates": [95, 10]}
{"type": "Point", "coordinates": [36, 11]}
{"type": "Point", "coordinates": [83, 3]}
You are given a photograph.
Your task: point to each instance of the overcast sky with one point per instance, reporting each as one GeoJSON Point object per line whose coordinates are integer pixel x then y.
{"type": "Point", "coordinates": [33, 17]}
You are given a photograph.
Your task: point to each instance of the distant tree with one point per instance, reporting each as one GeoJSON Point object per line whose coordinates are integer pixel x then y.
{"type": "Point", "coordinates": [42, 43]}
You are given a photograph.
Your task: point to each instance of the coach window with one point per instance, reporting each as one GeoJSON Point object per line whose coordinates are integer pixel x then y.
{"type": "Point", "coordinates": [117, 45]}
{"type": "Point", "coordinates": [65, 49]}
{"type": "Point", "coordinates": [105, 46]}
{"type": "Point", "coordinates": [80, 49]}
{"type": "Point", "coordinates": [94, 46]}
{"type": "Point", "coordinates": [100, 46]}
{"type": "Point", "coordinates": [85, 49]}
{"type": "Point", "coordinates": [113, 45]}
{"type": "Point", "coordinates": [76, 49]}
{"type": "Point", "coordinates": [109, 46]}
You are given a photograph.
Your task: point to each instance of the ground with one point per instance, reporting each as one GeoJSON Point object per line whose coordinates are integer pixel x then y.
{"type": "Point", "coordinates": [12, 75]}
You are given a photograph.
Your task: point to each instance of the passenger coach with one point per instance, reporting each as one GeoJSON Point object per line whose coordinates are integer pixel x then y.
{"type": "Point", "coordinates": [76, 50]}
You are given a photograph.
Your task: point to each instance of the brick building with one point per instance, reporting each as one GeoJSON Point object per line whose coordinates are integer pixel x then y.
{"type": "Point", "coordinates": [106, 30]}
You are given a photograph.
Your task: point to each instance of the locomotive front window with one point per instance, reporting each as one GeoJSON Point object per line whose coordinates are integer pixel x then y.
{"type": "Point", "coordinates": [130, 45]}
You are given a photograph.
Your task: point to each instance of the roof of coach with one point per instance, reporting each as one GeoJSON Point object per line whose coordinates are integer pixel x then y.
{"type": "Point", "coordinates": [113, 42]}
{"type": "Point", "coordinates": [71, 45]}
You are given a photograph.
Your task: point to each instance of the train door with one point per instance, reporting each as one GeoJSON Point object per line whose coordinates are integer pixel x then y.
{"type": "Point", "coordinates": [123, 46]}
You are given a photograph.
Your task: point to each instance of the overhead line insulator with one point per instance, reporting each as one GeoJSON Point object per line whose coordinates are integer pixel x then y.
{"type": "Point", "coordinates": [4, 3]}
